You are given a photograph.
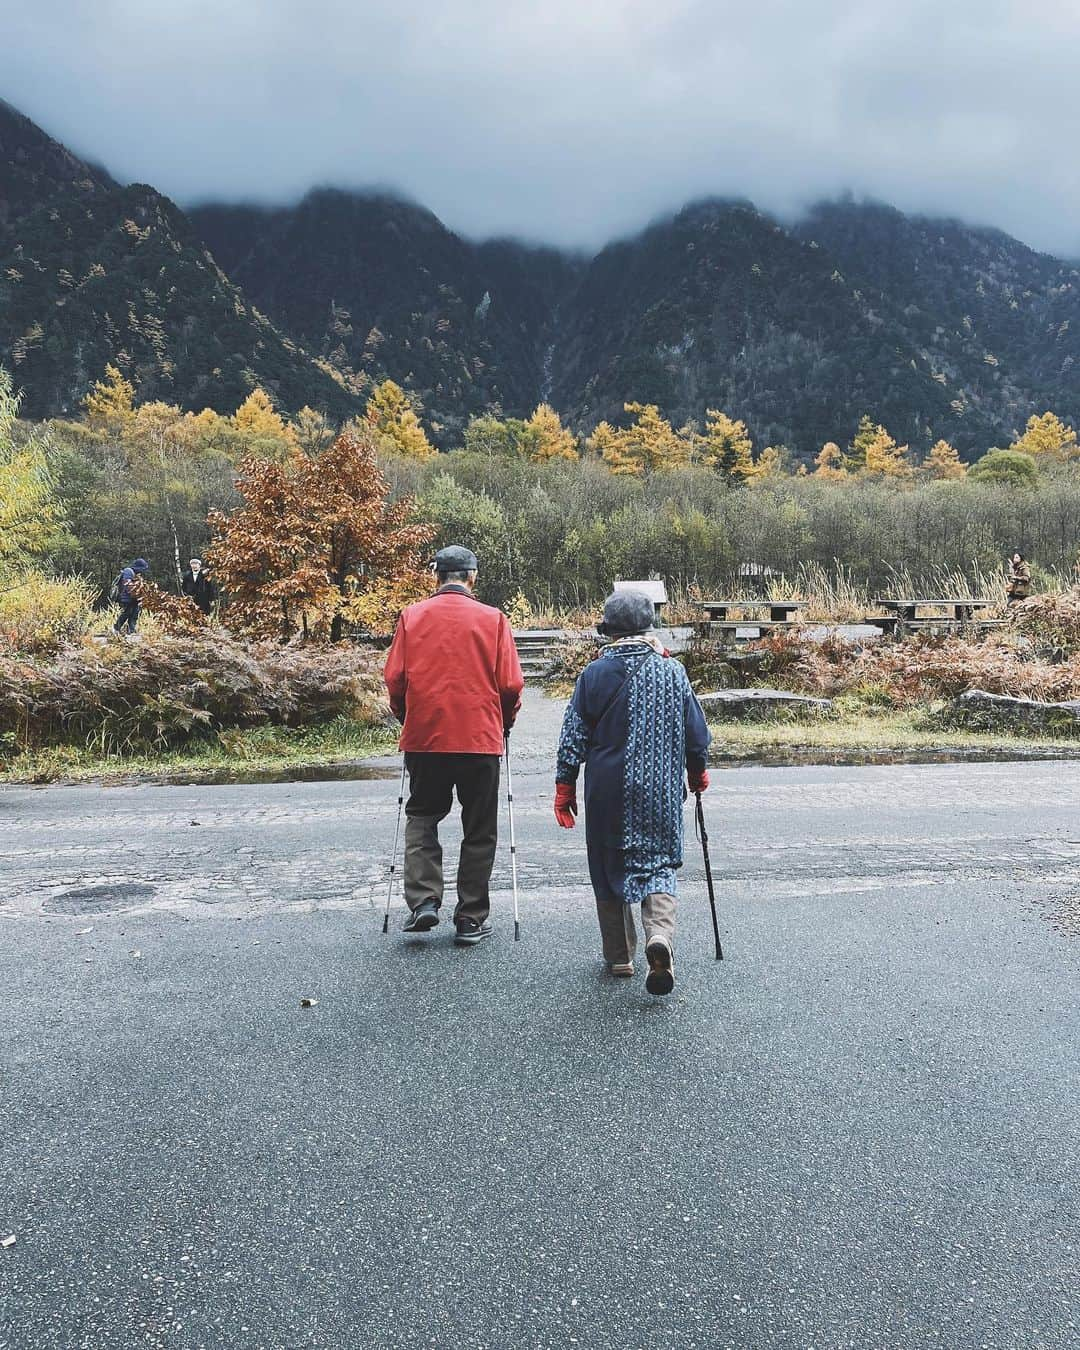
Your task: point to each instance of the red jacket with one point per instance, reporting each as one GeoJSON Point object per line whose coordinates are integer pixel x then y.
{"type": "Point", "coordinates": [453, 676]}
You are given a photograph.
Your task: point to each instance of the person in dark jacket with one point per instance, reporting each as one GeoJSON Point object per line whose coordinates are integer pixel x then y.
{"type": "Point", "coordinates": [197, 586]}
{"type": "Point", "coordinates": [635, 724]}
{"type": "Point", "coordinates": [1019, 587]}
{"type": "Point", "coordinates": [127, 593]}
{"type": "Point", "coordinates": [455, 684]}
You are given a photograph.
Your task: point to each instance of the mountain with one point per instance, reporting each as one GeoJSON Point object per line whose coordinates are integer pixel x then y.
{"type": "Point", "coordinates": [379, 287]}
{"type": "Point", "coordinates": [92, 273]}
{"type": "Point", "coordinates": [933, 327]}
{"type": "Point", "coordinates": [722, 307]}
{"type": "Point", "coordinates": [998, 323]}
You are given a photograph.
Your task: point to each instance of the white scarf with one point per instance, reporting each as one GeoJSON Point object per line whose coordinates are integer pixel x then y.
{"type": "Point", "coordinates": [637, 639]}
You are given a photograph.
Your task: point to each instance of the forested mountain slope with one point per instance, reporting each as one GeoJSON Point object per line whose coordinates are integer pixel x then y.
{"type": "Point", "coordinates": [935, 328]}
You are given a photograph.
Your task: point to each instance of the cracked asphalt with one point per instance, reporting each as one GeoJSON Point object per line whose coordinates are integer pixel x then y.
{"type": "Point", "coordinates": [859, 1130]}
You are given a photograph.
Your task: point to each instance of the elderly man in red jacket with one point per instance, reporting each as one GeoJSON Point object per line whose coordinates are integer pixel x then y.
{"type": "Point", "coordinates": [455, 685]}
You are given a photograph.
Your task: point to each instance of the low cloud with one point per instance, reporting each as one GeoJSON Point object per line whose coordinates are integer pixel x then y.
{"type": "Point", "coordinates": [571, 122]}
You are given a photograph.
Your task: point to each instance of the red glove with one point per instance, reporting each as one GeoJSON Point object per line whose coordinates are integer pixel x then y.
{"type": "Point", "coordinates": [699, 782]}
{"type": "Point", "coordinates": [565, 804]}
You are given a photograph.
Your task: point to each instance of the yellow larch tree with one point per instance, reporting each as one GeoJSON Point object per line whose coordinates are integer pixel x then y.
{"type": "Point", "coordinates": [31, 517]}
{"type": "Point", "coordinates": [944, 462]}
{"type": "Point", "coordinates": [110, 404]}
{"type": "Point", "coordinates": [552, 439]}
{"type": "Point", "coordinates": [261, 430]}
{"type": "Point", "coordinates": [604, 436]}
{"type": "Point", "coordinates": [393, 419]}
{"type": "Point", "coordinates": [1047, 435]}
{"type": "Point", "coordinates": [649, 445]}
{"type": "Point", "coordinates": [830, 462]}
{"type": "Point", "coordinates": [770, 464]}
{"type": "Point", "coordinates": [884, 458]}
{"type": "Point", "coordinates": [726, 447]}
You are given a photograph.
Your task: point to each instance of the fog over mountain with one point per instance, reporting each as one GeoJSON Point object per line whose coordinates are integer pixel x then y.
{"type": "Point", "coordinates": [571, 123]}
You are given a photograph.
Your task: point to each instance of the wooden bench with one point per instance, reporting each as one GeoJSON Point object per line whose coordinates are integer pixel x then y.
{"type": "Point", "coordinates": [963, 608]}
{"type": "Point", "coordinates": [780, 611]}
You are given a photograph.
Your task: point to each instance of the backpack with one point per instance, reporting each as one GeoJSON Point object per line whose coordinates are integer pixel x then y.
{"type": "Point", "coordinates": [114, 589]}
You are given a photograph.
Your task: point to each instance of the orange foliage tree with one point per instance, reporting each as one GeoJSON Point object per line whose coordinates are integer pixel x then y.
{"type": "Point", "coordinates": [315, 541]}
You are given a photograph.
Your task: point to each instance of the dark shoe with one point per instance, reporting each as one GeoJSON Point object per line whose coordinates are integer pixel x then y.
{"type": "Point", "coordinates": [423, 918]}
{"type": "Point", "coordinates": [469, 932]}
{"type": "Point", "coordinates": [661, 959]}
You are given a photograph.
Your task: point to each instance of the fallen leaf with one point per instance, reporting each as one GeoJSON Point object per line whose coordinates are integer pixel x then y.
{"type": "Point", "coordinates": [308, 1002]}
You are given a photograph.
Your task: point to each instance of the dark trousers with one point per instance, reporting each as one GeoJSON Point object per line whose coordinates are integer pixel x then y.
{"type": "Point", "coordinates": [433, 779]}
{"type": "Point", "coordinates": [129, 616]}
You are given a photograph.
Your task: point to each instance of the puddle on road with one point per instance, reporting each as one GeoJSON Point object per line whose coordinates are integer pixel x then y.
{"type": "Point", "coordinates": [102, 899]}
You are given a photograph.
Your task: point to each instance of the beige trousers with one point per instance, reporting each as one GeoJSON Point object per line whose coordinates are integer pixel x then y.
{"type": "Point", "coordinates": [618, 933]}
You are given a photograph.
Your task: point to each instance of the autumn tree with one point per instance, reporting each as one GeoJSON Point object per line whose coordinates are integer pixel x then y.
{"type": "Point", "coordinates": [771, 464]}
{"type": "Point", "coordinates": [313, 539]}
{"type": "Point", "coordinates": [883, 458]}
{"type": "Point", "coordinates": [867, 433]}
{"type": "Point", "coordinates": [552, 439]}
{"type": "Point", "coordinates": [726, 447]}
{"type": "Point", "coordinates": [31, 518]}
{"type": "Point", "coordinates": [110, 404]}
{"type": "Point", "coordinates": [1047, 435]}
{"type": "Point", "coordinates": [393, 419]}
{"type": "Point", "coordinates": [313, 430]}
{"type": "Point", "coordinates": [943, 462]}
{"type": "Point", "coordinates": [602, 441]}
{"type": "Point", "coordinates": [649, 445]}
{"type": "Point", "coordinates": [830, 462]}
{"type": "Point", "coordinates": [261, 430]}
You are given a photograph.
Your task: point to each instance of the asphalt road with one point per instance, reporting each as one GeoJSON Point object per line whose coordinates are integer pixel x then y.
{"type": "Point", "coordinates": [859, 1130]}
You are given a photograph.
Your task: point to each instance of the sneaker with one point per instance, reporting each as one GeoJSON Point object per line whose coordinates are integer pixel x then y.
{"type": "Point", "coordinates": [661, 959]}
{"type": "Point", "coordinates": [621, 968]}
{"type": "Point", "coordinates": [423, 918]}
{"type": "Point", "coordinates": [469, 932]}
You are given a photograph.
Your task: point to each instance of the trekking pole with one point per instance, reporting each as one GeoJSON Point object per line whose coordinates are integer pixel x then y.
{"type": "Point", "coordinates": [513, 841]}
{"type": "Point", "coordinates": [703, 835]}
{"type": "Point", "coordinates": [393, 856]}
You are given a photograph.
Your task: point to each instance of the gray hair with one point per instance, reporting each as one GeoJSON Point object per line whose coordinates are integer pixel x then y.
{"type": "Point", "coordinates": [444, 577]}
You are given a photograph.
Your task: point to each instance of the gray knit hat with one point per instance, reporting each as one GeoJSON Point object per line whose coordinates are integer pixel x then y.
{"type": "Point", "coordinates": [627, 613]}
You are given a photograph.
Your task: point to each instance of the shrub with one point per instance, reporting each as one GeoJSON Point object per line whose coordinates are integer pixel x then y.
{"type": "Point", "coordinates": [39, 614]}
{"type": "Point", "coordinates": [568, 660]}
{"type": "Point", "coordinates": [1050, 622]}
{"type": "Point", "coordinates": [923, 669]}
{"type": "Point", "coordinates": [160, 693]}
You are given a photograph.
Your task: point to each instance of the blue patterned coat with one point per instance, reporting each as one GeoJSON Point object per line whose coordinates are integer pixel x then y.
{"type": "Point", "coordinates": [636, 737]}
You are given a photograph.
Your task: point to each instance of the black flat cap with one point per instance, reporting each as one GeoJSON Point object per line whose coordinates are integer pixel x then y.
{"type": "Point", "coordinates": [455, 558]}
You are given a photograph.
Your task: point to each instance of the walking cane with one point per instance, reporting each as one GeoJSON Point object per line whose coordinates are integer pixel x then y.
{"type": "Point", "coordinates": [393, 856]}
{"type": "Point", "coordinates": [513, 841]}
{"type": "Point", "coordinates": [703, 835]}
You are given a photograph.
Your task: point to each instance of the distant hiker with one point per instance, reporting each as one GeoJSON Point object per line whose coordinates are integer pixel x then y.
{"type": "Point", "coordinates": [1019, 579]}
{"type": "Point", "coordinates": [455, 684]}
{"type": "Point", "coordinates": [197, 586]}
{"type": "Point", "coordinates": [635, 724]}
{"type": "Point", "coordinates": [125, 593]}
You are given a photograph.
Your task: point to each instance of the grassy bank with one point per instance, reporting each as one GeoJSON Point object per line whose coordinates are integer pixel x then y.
{"type": "Point", "coordinates": [257, 751]}
{"type": "Point", "coordinates": [866, 736]}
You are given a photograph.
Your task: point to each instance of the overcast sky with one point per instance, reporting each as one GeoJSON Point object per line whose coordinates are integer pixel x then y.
{"type": "Point", "coordinates": [571, 121]}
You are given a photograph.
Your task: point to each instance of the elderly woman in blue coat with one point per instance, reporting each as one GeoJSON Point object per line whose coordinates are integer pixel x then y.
{"type": "Point", "coordinates": [636, 726]}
